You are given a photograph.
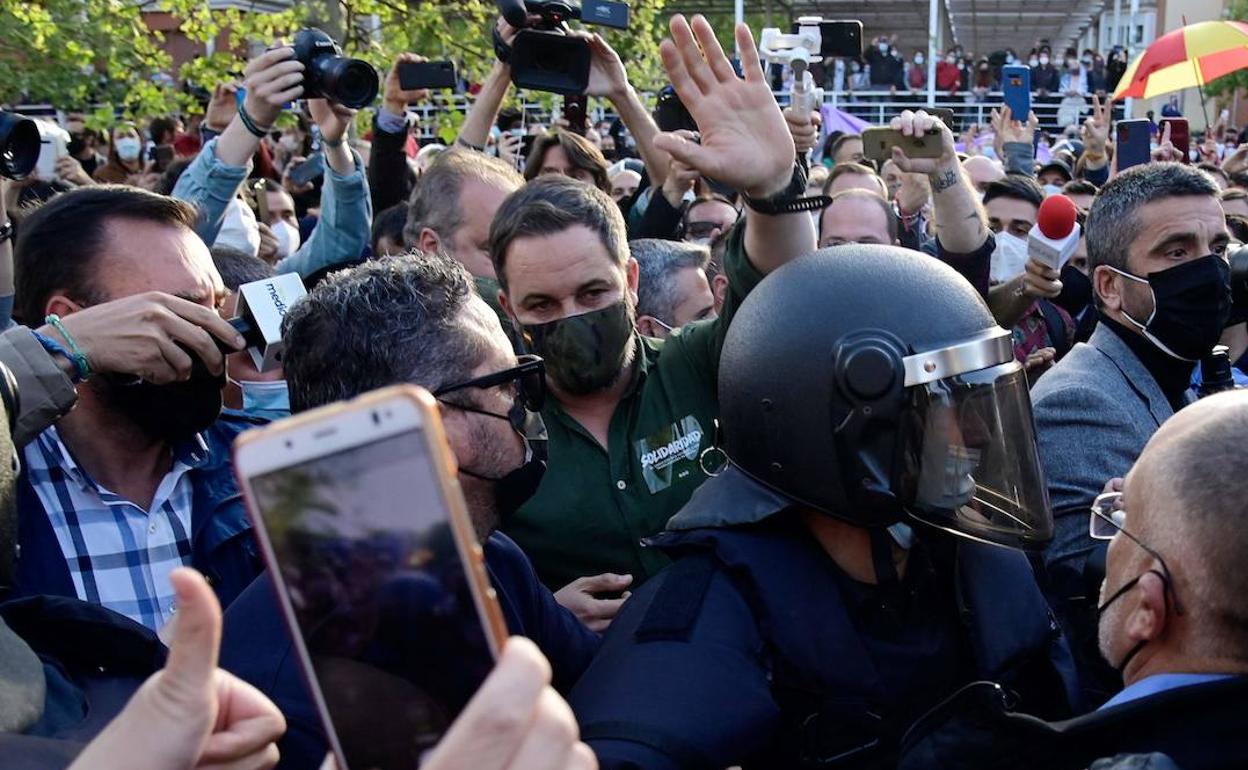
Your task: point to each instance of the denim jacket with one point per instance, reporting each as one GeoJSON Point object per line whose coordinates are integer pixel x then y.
{"type": "Point", "coordinates": [346, 209]}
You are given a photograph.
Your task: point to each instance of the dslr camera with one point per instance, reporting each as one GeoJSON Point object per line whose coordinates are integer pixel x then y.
{"type": "Point", "coordinates": [543, 56]}
{"type": "Point", "coordinates": [330, 75]}
{"type": "Point", "coordinates": [20, 143]}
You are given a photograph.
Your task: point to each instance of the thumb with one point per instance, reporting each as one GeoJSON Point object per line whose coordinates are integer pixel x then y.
{"type": "Point", "coordinates": [683, 150]}
{"type": "Point", "coordinates": [196, 637]}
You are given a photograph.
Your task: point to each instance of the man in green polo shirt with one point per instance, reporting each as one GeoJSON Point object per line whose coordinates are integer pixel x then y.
{"type": "Point", "coordinates": [630, 416]}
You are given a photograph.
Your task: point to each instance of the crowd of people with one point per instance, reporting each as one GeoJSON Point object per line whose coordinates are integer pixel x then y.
{"type": "Point", "coordinates": [833, 468]}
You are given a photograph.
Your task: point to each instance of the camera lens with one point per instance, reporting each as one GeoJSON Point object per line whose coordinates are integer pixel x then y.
{"type": "Point", "coordinates": [19, 145]}
{"type": "Point", "coordinates": [350, 82]}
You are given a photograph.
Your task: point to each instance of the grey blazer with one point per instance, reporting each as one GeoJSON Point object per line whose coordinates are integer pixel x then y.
{"type": "Point", "coordinates": [1095, 410]}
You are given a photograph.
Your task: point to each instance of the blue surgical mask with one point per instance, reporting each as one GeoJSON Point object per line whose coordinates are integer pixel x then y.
{"type": "Point", "coordinates": [270, 400]}
{"type": "Point", "coordinates": [128, 148]}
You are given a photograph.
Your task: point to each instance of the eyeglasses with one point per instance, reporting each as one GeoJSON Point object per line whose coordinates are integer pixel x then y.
{"type": "Point", "coordinates": [703, 229]}
{"type": "Point", "coordinates": [1109, 518]}
{"type": "Point", "coordinates": [529, 376]}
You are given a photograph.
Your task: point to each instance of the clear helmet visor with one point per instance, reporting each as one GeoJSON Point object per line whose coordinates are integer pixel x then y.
{"type": "Point", "coordinates": [976, 471]}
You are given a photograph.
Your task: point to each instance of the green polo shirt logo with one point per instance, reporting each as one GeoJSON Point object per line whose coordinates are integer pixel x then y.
{"type": "Point", "coordinates": [668, 454]}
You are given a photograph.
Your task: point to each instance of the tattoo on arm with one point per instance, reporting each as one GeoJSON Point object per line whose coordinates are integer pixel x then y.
{"type": "Point", "coordinates": [944, 180]}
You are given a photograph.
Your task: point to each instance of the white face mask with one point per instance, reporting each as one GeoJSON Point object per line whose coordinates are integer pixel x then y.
{"type": "Point", "coordinates": [290, 143]}
{"type": "Point", "coordinates": [1033, 62]}
{"type": "Point", "coordinates": [1044, 60]}
{"type": "Point", "coordinates": [918, 58]}
{"type": "Point", "coordinates": [128, 148]}
{"type": "Point", "coordinates": [1009, 58]}
{"type": "Point", "coordinates": [1009, 259]}
{"type": "Point", "coordinates": [287, 238]}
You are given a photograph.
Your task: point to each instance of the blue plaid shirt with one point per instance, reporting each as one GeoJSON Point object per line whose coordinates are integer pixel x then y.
{"type": "Point", "coordinates": [118, 554]}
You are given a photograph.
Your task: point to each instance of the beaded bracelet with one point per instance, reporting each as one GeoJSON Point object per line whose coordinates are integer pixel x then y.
{"type": "Point", "coordinates": [75, 353]}
{"type": "Point", "coordinates": [250, 124]}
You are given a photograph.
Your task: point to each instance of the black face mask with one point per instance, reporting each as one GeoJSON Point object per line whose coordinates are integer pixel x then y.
{"type": "Point", "coordinates": [1121, 592]}
{"type": "Point", "coordinates": [1191, 305]}
{"type": "Point", "coordinates": [173, 412]}
{"type": "Point", "coordinates": [583, 353]}
{"type": "Point", "coordinates": [515, 487]}
{"type": "Point", "coordinates": [1076, 291]}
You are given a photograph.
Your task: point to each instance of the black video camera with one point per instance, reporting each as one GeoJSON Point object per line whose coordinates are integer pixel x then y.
{"type": "Point", "coordinates": [1239, 285]}
{"type": "Point", "coordinates": [19, 145]}
{"type": "Point", "coordinates": [544, 57]}
{"type": "Point", "coordinates": [327, 73]}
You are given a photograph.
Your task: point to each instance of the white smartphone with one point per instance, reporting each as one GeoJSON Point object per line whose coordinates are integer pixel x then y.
{"type": "Point", "coordinates": [382, 582]}
{"type": "Point", "coordinates": [53, 145]}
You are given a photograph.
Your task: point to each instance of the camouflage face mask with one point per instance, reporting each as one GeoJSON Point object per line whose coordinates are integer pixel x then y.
{"type": "Point", "coordinates": [584, 353]}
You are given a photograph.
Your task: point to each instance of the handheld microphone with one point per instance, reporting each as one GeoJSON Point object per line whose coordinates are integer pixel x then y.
{"type": "Point", "coordinates": [1056, 234]}
{"type": "Point", "coordinates": [261, 307]}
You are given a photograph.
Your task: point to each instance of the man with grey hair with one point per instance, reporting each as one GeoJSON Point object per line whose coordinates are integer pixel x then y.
{"type": "Point", "coordinates": [451, 208]}
{"type": "Point", "coordinates": [1173, 619]}
{"type": "Point", "coordinates": [416, 319]}
{"type": "Point", "coordinates": [672, 287]}
{"type": "Point", "coordinates": [1157, 242]}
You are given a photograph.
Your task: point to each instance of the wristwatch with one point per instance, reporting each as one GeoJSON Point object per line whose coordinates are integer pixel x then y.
{"type": "Point", "coordinates": [6, 231]}
{"type": "Point", "coordinates": [789, 200]}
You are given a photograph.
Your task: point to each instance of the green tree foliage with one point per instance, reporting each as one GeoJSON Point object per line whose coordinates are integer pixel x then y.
{"type": "Point", "coordinates": [72, 53]}
{"type": "Point", "coordinates": [1225, 87]}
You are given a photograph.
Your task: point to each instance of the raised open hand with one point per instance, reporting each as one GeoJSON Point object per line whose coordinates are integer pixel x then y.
{"type": "Point", "coordinates": [745, 141]}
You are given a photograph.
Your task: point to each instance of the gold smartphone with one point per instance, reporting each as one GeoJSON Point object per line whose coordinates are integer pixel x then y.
{"type": "Point", "coordinates": [380, 576]}
{"type": "Point", "coordinates": [878, 144]}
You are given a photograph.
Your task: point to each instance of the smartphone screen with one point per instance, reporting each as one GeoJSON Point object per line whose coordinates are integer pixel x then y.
{"type": "Point", "coordinates": [363, 543]}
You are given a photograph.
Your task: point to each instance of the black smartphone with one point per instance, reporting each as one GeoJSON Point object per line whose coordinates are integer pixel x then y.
{"type": "Point", "coordinates": [605, 13]}
{"type": "Point", "coordinates": [575, 109]}
{"type": "Point", "coordinates": [838, 38]}
{"type": "Point", "coordinates": [426, 74]}
{"type": "Point", "coordinates": [526, 145]}
{"type": "Point", "coordinates": [310, 169]}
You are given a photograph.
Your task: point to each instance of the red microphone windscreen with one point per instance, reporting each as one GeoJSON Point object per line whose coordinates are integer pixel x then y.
{"type": "Point", "coordinates": [1056, 219]}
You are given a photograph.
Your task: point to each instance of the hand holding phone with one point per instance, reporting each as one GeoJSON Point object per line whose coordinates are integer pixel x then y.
{"type": "Point", "coordinates": [1175, 131]}
{"type": "Point", "coordinates": [379, 573]}
{"type": "Point", "coordinates": [304, 173]}
{"type": "Point", "coordinates": [1133, 140]}
{"type": "Point", "coordinates": [878, 143]}
{"type": "Point", "coordinates": [417, 75]}
{"type": "Point", "coordinates": [1016, 90]}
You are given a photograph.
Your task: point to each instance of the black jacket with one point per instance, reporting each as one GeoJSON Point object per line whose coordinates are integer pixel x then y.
{"type": "Point", "coordinates": [93, 659]}
{"type": "Point", "coordinates": [1200, 727]}
{"type": "Point", "coordinates": [752, 649]}
{"type": "Point", "coordinates": [257, 647]}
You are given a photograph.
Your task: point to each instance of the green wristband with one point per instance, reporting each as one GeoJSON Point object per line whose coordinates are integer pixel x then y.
{"type": "Point", "coordinates": [80, 358]}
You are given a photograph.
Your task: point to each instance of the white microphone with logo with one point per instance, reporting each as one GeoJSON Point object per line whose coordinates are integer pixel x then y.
{"type": "Point", "coordinates": [261, 307]}
{"type": "Point", "coordinates": [1055, 235]}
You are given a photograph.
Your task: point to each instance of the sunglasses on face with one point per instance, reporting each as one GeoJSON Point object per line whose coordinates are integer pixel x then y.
{"type": "Point", "coordinates": [529, 375]}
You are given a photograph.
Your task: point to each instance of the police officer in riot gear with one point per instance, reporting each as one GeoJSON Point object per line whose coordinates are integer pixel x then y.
{"type": "Point", "coordinates": [843, 572]}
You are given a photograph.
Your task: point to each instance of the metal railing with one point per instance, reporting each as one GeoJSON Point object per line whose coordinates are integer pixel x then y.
{"type": "Point", "coordinates": [875, 107]}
